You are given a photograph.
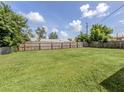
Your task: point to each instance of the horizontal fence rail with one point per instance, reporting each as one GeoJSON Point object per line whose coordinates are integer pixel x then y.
{"type": "Point", "coordinates": [28, 46]}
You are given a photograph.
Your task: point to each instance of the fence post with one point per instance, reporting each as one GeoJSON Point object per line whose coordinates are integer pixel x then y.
{"type": "Point", "coordinates": [61, 45]}
{"type": "Point", "coordinates": [18, 48]}
{"type": "Point", "coordinates": [120, 44]}
{"type": "Point", "coordinates": [70, 44]}
{"type": "Point", "coordinates": [83, 44]}
{"type": "Point", "coordinates": [39, 47]}
{"type": "Point", "coordinates": [51, 45]}
{"type": "Point", "coordinates": [24, 46]}
{"type": "Point", "coordinates": [77, 44]}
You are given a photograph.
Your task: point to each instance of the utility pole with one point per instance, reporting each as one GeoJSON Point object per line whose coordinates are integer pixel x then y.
{"type": "Point", "coordinates": [86, 28]}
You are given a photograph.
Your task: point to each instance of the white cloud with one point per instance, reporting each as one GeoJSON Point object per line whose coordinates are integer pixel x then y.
{"type": "Point", "coordinates": [89, 13]}
{"type": "Point", "coordinates": [102, 7]}
{"type": "Point", "coordinates": [102, 15]}
{"type": "Point", "coordinates": [64, 34]}
{"type": "Point", "coordinates": [47, 37]}
{"type": "Point", "coordinates": [76, 25]}
{"type": "Point", "coordinates": [101, 10]}
{"type": "Point", "coordinates": [84, 8]}
{"type": "Point", "coordinates": [121, 21]}
{"type": "Point", "coordinates": [35, 17]}
{"type": "Point", "coordinates": [55, 30]}
{"type": "Point", "coordinates": [46, 28]}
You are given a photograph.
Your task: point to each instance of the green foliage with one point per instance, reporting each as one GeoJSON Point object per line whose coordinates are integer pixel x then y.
{"type": "Point", "coordinates": [53, 35]}
{"type": "Point", "coordinates": [11, 25]}
{"type": "Point", "coordinates": [82, 37]}
{"type": "Point", "coordinates": [41, 33]}
{"type": "Point", "coordinates": [70, 39]}
{"type": "Point", "coordinates": [100, 33]}
{"type": "Point", "coordinates": [28, 33]}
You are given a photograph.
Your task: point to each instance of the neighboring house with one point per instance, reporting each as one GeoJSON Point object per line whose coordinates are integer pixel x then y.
{"type": "Point", "coordinates": [119, 38]}
{"type": "Point", "coordinates": [52, 40]}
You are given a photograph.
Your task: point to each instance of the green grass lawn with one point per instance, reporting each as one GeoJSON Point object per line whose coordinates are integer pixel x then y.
{"type": "Point", "coordinates": [81, 69]}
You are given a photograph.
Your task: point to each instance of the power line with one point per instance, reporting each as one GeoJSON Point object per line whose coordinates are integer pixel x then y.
{"type": "Point", "coordinates": [112, 13]}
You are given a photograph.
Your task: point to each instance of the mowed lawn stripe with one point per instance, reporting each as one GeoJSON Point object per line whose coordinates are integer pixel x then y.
{"type": "Point", "coordinates": [81, 69]}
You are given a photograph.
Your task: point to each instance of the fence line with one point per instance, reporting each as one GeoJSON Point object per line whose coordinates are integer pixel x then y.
{"type": "Point", "coordinates": [109, 44]}
{"type": "Point", "coordinates": [48, 45]}
{"type": "Point", "coordinates": [5, 50]}
{"type": "Point", "coordinates": [61, 45]}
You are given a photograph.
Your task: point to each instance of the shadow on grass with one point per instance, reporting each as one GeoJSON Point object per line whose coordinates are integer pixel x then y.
{"type": "Point", "coordinates": [115, 83]}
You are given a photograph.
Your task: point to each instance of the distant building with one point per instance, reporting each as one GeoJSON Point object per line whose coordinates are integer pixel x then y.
{"type": "Point", "coordinates": [51, 40]}
{"type": "Point", "coordinates": [119, 38]}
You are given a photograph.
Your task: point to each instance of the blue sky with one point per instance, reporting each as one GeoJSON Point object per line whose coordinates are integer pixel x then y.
{"type": "Point", "coordinates": [68, 18]}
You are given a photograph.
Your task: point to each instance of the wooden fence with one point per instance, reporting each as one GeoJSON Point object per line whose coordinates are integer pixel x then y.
{"type": "Point", "coordinates": [61, 45]}
{"type": "Point", "coordinates": [5, 50]}
{"type": "Point", "coordinates": [109, 44]}
{"type": "Point", "coordinates": [28, 46]}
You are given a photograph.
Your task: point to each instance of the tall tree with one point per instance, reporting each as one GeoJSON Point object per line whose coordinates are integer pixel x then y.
{"type": "Point", "coordinates": [41, 33]}
{"type": "Point", "coordinates": [29, 33]}
{"type": "Point", "coordinates": [69, 39]}
{"type": "Point", "coordinates": [82, 37]}
{"type": "Point", "coordinates": [100, 33]}
{"type": "Point", "coordinates": [11, 25]}
{"type": "Point", "coordinates": [53, 35]}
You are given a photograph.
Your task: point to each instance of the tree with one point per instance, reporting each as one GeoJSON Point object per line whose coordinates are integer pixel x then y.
{"type": "Point", "coordinates": [100, 33]}
{"type": "Point", "coordinates": [70, 39]}
{"type": "Point", "coordinates": [28, 33]}
{"type": "Point", "coordinates": [11, 25]}
{"type": "Point", "coordinates": [53, 35]}
{"type": "Point", "coordinates": [82, 37]}
{"type": "Point", "coordinates": [41, 33]}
